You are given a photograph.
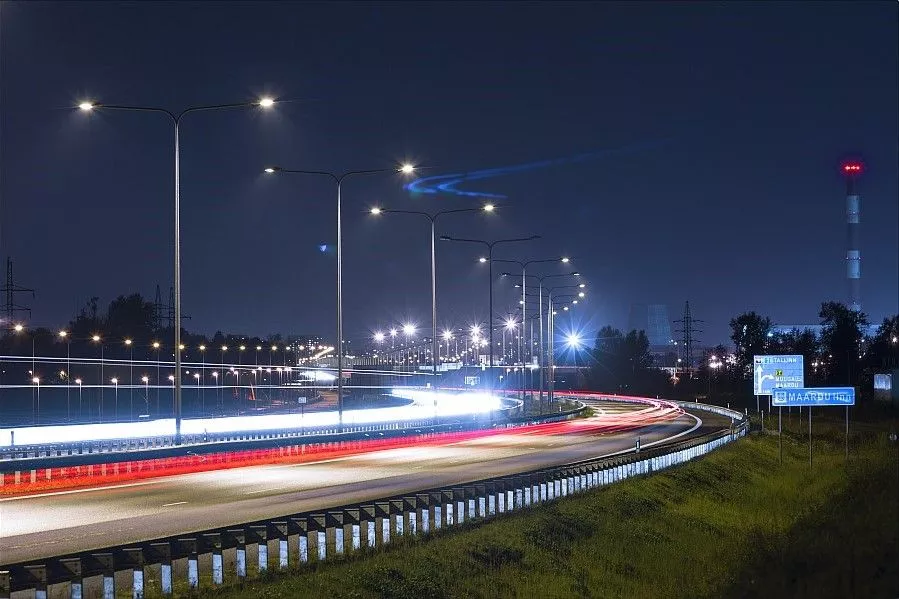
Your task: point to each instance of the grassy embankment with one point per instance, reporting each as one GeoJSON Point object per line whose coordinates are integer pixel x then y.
{"type": "Point", "coordinates": [733, 524]}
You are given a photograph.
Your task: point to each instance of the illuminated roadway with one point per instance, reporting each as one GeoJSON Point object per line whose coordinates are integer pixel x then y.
{"type": "Point", "coordinates": [57, 523]}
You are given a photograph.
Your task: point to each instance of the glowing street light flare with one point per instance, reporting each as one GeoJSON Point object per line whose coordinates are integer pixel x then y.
{"type": "Point", "coordinates": [565, 260]}
{"type": "Point", "coordinates": [95, 338]}
{"type": "Point", "coordinates": [86, 106]}
{"type": "Point", "coordinates": [63, 334]}
{"type": "Point", "coordinates": [482, 259]}
{"type": "Point", "coordinates": [489, 207]}
{"type": "Point", "coordinates": [18, 328]}
{"type": "Point", "coordinates": [407, 169]}
{"type": "Point", "coordinates": [379, 336]}
{"type": "Point", "coordinates": [266, 102]}
{"type": "Point", "coordinates": [376, 210]}
{"type": "Point", "coordinates": [128, 342]}
{"type": "Point", "coordinates": [156, 345]}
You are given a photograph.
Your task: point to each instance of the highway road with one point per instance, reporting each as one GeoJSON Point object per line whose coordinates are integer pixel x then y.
{"type": "Point", "coordinates": [57, 523]}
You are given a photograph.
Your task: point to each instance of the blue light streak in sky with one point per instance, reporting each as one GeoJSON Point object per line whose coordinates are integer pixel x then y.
{"type": "Point", "coordinates": [447, 183]}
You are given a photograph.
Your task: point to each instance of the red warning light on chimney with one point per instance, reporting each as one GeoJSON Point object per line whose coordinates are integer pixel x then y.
{"type": "Point", "coordinates": [852, 168]}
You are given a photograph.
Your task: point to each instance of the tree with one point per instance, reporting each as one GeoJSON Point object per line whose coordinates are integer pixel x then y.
{"type": "Point", "coordinates": [841, 342]}
{"type": "Point", "coordinates": [749, 332]}
{"type": "Point", "coordinates": [622, 363]}
{"type": "Point", "coordinates": [883, 348]}
{"type": "Point", "coordinates": [129, 317]}
{"type": "Point", "coordinates": [800, 343]}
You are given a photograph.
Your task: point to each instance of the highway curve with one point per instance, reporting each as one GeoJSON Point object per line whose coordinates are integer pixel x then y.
{"type": "Point", "coordinates": [51, 524]}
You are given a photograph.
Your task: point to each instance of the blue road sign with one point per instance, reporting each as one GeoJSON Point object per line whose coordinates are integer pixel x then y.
{"type": "Point", "coordinates": [777, 372]}
{"type": "Point", "coordinates": [814, 396]}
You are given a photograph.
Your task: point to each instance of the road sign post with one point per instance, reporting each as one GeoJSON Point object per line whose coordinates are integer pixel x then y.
{"type": "Point", "coordinates": [777, 372]}
{"type": "Point", "coordinates": [816, 396]}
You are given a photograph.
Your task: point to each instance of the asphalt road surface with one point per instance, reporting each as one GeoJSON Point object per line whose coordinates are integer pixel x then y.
{"type": "Point", "coordinates": [58, 523]}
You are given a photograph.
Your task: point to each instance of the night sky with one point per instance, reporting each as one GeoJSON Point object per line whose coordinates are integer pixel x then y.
{"type": "Point", "coordinates": [718, 131]}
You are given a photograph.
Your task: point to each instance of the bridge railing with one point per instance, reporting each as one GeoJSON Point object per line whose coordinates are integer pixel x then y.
{"type": "Point", "coordinates": [296, 540]}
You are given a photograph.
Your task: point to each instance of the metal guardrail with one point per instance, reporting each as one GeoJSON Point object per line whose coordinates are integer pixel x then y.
{"type": "Point", "coordinates": [297, 539]}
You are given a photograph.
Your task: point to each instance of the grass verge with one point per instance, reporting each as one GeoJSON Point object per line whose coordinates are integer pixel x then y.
{"type": "Point", "coordinates": [736, 523]}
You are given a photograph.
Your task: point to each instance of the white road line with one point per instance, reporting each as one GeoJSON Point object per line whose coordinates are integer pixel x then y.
{"type": "Point", "coordinates": [88, 490]}
{"type": "Point", "coordinates": [171, 504]}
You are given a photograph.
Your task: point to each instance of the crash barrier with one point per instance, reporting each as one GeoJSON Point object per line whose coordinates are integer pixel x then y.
{"type": "Point", "coordinates": [70, 470]}
{"type": "Point", "coordinates": [181, 565]}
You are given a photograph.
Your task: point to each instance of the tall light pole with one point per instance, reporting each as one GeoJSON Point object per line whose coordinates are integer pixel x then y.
{"type": "Point", "coordinates": [64, 335]}
{"type": "Point", "coordinates": [551, 328]}
{"type": "Point", "coordinates": [524, 266]}
{"type": "Point", "coordinates": [337, 178]}
{"type": "Point", "coordinates": [176, 122]}
{"type": "Point", "coordinates": [542, 354]}
{"type": "Point", "coordinates": [432, 218]}
{"type": "Point", "coordinates": [489, 259]}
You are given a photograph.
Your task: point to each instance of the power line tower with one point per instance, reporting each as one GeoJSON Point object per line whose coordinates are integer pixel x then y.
{"type": "Point", "coordinates": [688, 331]}
{"type": "Point", "coordinates": [164, 314]}
{"type": "Point", "coordinates": [10, 307]}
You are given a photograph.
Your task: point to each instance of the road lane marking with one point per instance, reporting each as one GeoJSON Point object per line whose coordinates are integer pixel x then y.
{"type": "Point", "coordinates": [88, 490]}
{"type": "Point", "coordinates": [171, 504]}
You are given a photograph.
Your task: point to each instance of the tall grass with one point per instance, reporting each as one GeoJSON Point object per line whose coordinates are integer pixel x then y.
{"type": "Point", "coordinates": [736, 523]}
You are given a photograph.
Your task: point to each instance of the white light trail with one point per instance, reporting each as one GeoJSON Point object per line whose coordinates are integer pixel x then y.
{"type": "Point", "coordinates": [422, 407]}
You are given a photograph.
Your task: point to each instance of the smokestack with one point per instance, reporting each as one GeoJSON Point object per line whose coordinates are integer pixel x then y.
{"type": "Point", "coordinates": [851, 171]}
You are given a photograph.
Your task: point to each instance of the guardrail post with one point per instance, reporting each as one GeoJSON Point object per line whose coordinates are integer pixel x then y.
{"type": "Point", "coordinates": [382, 509]}
{"type": "Point", "coordinates": [410, 507]}
{"type": "Point", "coordinates": [213, 542]}
{"type": "Point", "coordinates": [423, 506]}
{"type": "Point", "coordinates": [161, 553]}
{"type": "Point", "coordinates": [481, 497]}
{"type": "Point", "coordinates": [334, 520]}
{"type": "Point", "coordinates": [72, 572]}
{"type": "Point", "coordinates": [299, 526]}
{"type": "Point", "coordinates": [396, 509]}
{"type": "Point", "coordinates": [444, 512]}
{"type": "Point", "coordinates": [318, 535]}
{"type": "Point", "coordinates": [351, 519]}
{"type": "Point", "coordinates": [459, 505]}
{"type": "Point", "coordinates": [189, 546]}
{"type": "Point", "coordinates": [237, 538]}
{"type": "Point", "coordinates": [4, 584]}
{"type": "Point", "coordinates": [133, 558]}
{"type": "Point", "coordinates": [470, 494]}
{"type": "Point", "coordinates": [369, 518]}
{"type": "Point", "coordinates": [519, 492]}
{"type": "Point", "coordinates": [259, 534]}
{"type": "Point", "coordinates": [279, 531]}
{"type": "Point", "coordinates": [36, 576]}
{"type": "Point", "coordinates": [106, 566]}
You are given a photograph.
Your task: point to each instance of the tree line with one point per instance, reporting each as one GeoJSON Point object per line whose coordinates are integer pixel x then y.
{"type": "Point", "coordinates": [838, 353]}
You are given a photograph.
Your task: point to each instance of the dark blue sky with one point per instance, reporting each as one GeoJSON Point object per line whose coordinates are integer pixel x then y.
{"type": "Point", "coordinates": [735, 203]}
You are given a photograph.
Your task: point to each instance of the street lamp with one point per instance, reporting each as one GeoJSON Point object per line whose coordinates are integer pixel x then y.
{"type": "Point", "coordinates": [551, 330]}
{"type": "Point", "coordinates": [490, 245]}
{"type": "Point", "coordinates": [115, 382]}
{"type": "Point", "coordinates": [432, 218]}
{"type": "Point", "coordinates": [337, 178]}
{"type": "Point", "coordinates": [64, 335]}
{"type": "Point", "coordinates": [87, 106]}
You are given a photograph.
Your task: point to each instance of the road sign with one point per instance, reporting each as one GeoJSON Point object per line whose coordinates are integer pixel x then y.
{"type": "Point", "coordinates": [777, 372]}
{"type": "Point", "coordinates": [814, 396]}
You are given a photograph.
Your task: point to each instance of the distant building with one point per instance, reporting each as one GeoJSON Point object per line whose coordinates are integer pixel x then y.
{"type": "Point", "coordinates": [653, 319]}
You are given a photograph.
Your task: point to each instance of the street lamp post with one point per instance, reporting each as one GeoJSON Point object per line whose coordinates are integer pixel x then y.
{"type": "Point", "coordinates": [541, 362]}
{"type": "Point", "coordinates": [432, 218]}
{"type": "Point", "coordinates": [338, 181]}
{"type": "Point", "coordinates": [176, 122]}
{"type": "Point", "coordinates": [551, 330]}
{"type": "Point", "coordinates": [64, 335]}
{"type": "Point", "coordinates": [489, 259]}
{"type": "Point", "coordinates": [524, 266]}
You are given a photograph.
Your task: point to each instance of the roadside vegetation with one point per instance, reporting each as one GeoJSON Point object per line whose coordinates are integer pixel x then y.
{"type": "Point", "coordinates": [736, 523]}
